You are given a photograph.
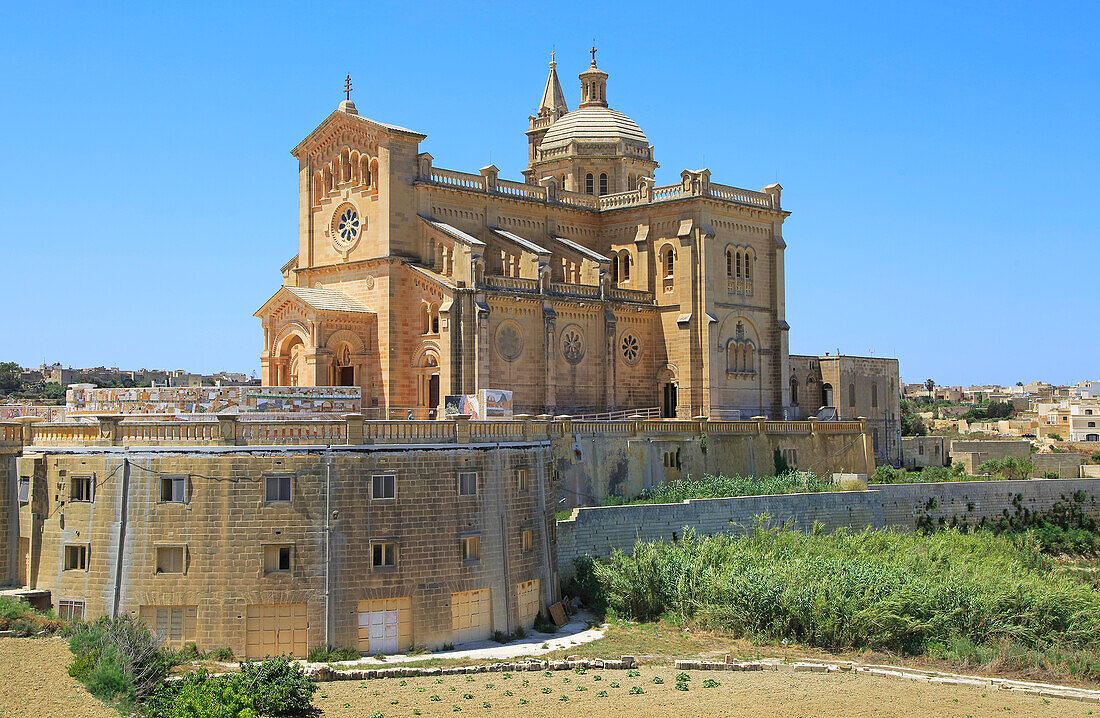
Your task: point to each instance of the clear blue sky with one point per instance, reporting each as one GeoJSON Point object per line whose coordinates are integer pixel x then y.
{"type": "Point", "coordinates": [941, 159]}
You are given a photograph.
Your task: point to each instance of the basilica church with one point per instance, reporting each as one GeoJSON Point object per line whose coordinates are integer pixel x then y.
{"type": "Point", "coordinates": [583, 288]}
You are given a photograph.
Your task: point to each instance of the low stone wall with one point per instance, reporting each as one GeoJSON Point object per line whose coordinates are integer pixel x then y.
{"type": "Point", "coordinates": [1067, 466]}
{"type": "Point", "coordinates": [597, 531]}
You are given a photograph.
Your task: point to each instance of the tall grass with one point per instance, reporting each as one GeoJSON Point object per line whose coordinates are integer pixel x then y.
{"type": "Point", "coordinates": [713, 487]}
{"type": "Point", "coordinates": [879, 589]}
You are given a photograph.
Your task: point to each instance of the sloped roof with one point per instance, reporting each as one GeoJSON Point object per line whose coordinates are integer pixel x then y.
{"type": "Point", "coordinates": [525, 243]}
{"type": "Point", "coordinates": [596, 256]}
{"type": "Point", "coordinates": [553, 99]}
{"type": "Point", "coordinates": [454, 232]}
{"type": "Point", "coordinates": [328, 300]}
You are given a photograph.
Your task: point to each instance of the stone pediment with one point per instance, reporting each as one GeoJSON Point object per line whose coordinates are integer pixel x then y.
{"type": "Point", "coordinates": [342, 129]}
{"type": "Point", "coordinates": [310, 301]}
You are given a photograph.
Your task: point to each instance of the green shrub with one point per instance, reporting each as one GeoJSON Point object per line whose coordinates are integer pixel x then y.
{"type": "Point", "coordinates": [224, 653]}
{"type": "Point", "coordinates": [1096, 458]}
{"type": "Point", "coordinates": [21, 628]}
{"type": "Point", "coordinates": [275, 687]}
{"type": "Point", "coordinates": [871, 589]}
{"type": "Point", "coordinates": [128, 659]}
{"type": "Point", "coordinates": [321, 654]}
{"type": "Point", "coordinates": [780, 463]}
{"type": "Point", "coordinates": [712, 487]}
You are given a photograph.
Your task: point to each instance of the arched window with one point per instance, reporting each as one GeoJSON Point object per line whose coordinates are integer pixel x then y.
{"type": "Point", "coordinates": [874, 394]}
{"type": "Point", "coordinates": [435, 319]}
{"type": "Point", "coordinates": [669, 262]}
{"type": "Point", "coordinates": [729, 263]}
{"type": "Point", "coordinates": [632, 182]}
{"type": "Point", "coordinates": [794, 391]}
{"type": "Point", "coordinates": [739, 264]}
{"type": "Point", "coordinates": [851, 395]}
{"type": "Point", "coordinates": [624, 271]}
{"type": "Point", "coordinates": [425, 319]}
{"type": "Point", "coordinates": [603, 183]}
{"type": "Point", "coordinates": [588, 183]}
{"type": "Point", "coordinates": [748, 263]}
{"type": "Point", "coordinates": [750, 358]}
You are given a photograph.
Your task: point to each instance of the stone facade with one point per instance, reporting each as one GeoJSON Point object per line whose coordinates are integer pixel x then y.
{"type": "Point", "coordinates": [918, 452]}
{"type": "Point", "coordinates": [585, 288]}
{"type": "Point", "coordinates": [855, 387]}
{"type": "Point", "coordinates": [212, 550]}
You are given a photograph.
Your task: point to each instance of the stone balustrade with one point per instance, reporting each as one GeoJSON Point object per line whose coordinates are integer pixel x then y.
{"type": "Point", "coordinates": [229, 430]}
{"type": "Point", "coordinates": [515, 284]}
{"type": "Point", "coordinates": [489, 183]}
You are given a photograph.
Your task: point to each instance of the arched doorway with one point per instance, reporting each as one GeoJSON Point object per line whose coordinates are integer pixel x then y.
{"type": "Point", "coordinates": [827, 395]}
{"type": "Point", "coordinates": [428, 384]}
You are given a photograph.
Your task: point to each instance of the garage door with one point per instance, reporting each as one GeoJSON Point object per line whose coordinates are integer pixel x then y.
{"type": "Point", "coordinates": [276, 629]}
{"type": "Point", "coordinates": [470, 616]}
{"type": "Point", "coordinates": [527, 601]}
{"type": "Point", "coordinates": [385, 625]}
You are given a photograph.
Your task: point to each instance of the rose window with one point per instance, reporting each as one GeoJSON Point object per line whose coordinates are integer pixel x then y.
{"type": "Point", "coordinates": [630, 348]}
{"type": "Point", "coordinates": [347, 225]}
{"type": "Point", "coordinates": [572, 345]}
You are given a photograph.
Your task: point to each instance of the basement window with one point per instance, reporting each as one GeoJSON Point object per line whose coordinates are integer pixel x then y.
{"type": "Point", "coordinates": [523, 479]}
{"type": "Point", "coordinates": [173, 489]}
{"type": "Point", "coordinates": [384, 554]}
{"type": "Point", "coordinates": [276, 488]}
{"type": "Point", "coordinates": [76, 557]}
{"type": "Point", "coordinates": [383, 487]}
{"type": "Point", "coordinates": [277, 558]}
{"type": "Point", "coordinates": [70, 610]}
{"type": "Point", "coordinates": [171, 559]}
{"type": "Point", "coordinates": [471, 548]}
{"type": "Point", "coordinates": [80, 489]}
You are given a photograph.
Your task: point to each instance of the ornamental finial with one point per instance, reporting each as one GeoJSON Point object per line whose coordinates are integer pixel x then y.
{"type": "Point", "coordinates": [347, 87]}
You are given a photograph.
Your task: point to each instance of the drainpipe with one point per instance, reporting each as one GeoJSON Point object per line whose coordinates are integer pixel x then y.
{"type": "Point", "coordinates": [328, 550]}
{"type": "Point", "coordinates": [122, 509]}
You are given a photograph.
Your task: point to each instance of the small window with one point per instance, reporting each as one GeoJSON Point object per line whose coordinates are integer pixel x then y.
{"type": "Point", "coordinates": [76, 558]}
{"type": "Point", "coordinates": [471, 548]}
{"type": "Point", "coordinates": [603, 183]}
{"type": "Point", "coordinates": [70, 610]}
{"type": "Point", "coordinates": [81, 488]}
{"type": "Point", "coordinates": [588, 188]}
{"type": "Point", "coordinates": [384, 554]}
{"type": "Point", "coordinates": [523, 479]}
{"type": "Point", "coordinates": [527, 540]}
{"type": "Point", "coordinates": [851, 395]}
{"type": "Point", "coordinates": [467, 484]}
{"type": "Point", "coordinates": [277, 558]}
{"type": "Point", "coordinates": [172, 489]}
{"type": "Point", "coordinates": [670, 263]}
{"type": "Point", "coordinates": [24, 490]}
{"type": "Point", "coordinates": [920, 449]}
{"type": "Point", "coordinates": [276, 488]}
{"type": "Point", "coordinates": [1092, 424]}
{"type": "Point", "coordinates": [170, 559]}
{"type": "Point", "coordinates": [874, 395]}
{"type": "Point", "coordinates": [1088, 411]}
{"type": "Point", "coordinates": [383, 487]}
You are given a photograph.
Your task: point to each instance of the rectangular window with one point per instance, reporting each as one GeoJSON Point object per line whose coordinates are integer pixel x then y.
{"type": "Point", "coordinates": [76, 557]}
{"type": "Point", "coordinates": [467, 484]}
{"type": "Point", "coordinates": [173, 489]}
{"type": "Point", "coordinates": [383, 487]}
{"type": "Point", "coordinates": [527, 540]}
{"type": "Point", "coordinates": [920, 449]}
{"type": "Point", "coordinates": [170, 559]}
{"type": "Point", "coordinates": [276, 488]}
{"type": "Point", "coordinates": [471, 548]}
{"type": "Point", "coordinates": [523, 479]}
{"type": "Point", "coordinates": [384, 554]}
{"type": "Point", "coordinates": [24, 490]}
{"type": "Point", "coordinates": [81, 488]}
{"type": "Point", "coordinates": [277, 558]}
{"type": "Point", "coordinates": [70, 610]}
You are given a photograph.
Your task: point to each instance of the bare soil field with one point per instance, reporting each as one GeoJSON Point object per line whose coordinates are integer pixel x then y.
{"type": "Point", "coordinates": [35, 683]}
{"type": "Point", "coordinates": [609, 693]}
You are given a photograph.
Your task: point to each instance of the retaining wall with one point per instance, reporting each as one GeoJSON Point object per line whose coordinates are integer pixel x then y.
{"type": "Point", "coordinates": [597, 531]}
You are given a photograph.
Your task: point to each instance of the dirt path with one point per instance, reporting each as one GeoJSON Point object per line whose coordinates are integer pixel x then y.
{"type": "Point", "coordinates": [765, 693]}
{"type": "Point", "coordinates": [34, 682]}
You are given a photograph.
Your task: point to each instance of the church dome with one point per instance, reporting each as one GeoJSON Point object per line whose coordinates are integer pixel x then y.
{"type": "Point", "coordinates": [596, 123]}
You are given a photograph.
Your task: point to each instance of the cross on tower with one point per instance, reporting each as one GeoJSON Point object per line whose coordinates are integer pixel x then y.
{"type": "Point", "coordinates": [593, 51]}
{"type": "Point", "coordinates": [347, 87]}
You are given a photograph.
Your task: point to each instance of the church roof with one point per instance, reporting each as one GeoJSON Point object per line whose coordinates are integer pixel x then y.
{"type": "Point", "coordinates": [593, 122]}
{"type": "Point", "coordinates": [327, 300]}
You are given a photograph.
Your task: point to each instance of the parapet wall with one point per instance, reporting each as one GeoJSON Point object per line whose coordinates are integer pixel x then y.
{"type": "Point", "coordinates": [597, 531]}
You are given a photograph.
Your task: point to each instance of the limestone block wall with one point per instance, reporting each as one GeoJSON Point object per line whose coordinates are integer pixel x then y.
{"type": "Point", "coordinates": [599, 459]}
{"type": "Point", "coordinates": [597, 531]}
{"type": "Point", "coordinates": [226, 525]}
{"type": "Point", "coordinates": [1067, 466]}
